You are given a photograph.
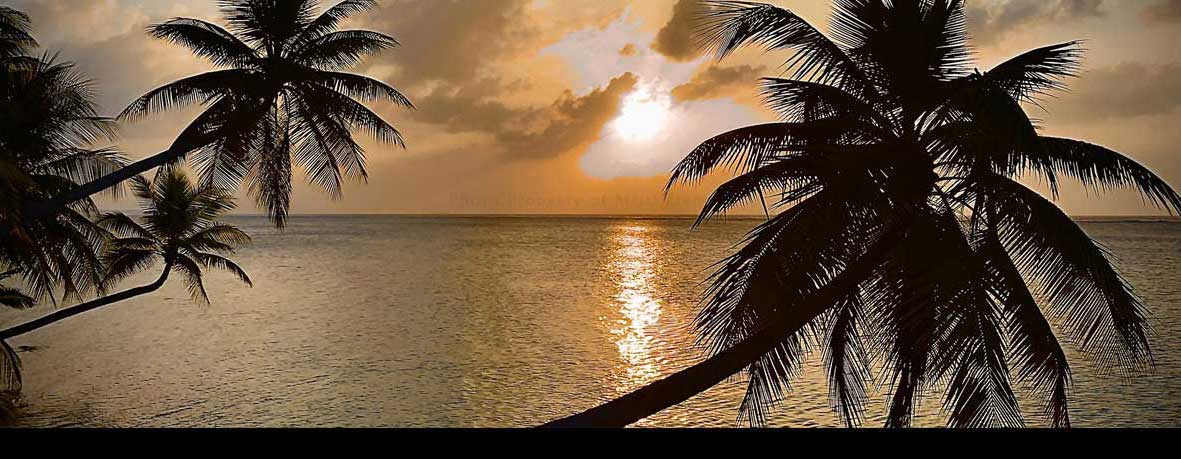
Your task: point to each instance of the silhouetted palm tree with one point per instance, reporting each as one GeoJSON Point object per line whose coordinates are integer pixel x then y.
{"type": "Point", "coordinates": [15, 37]}
{"type": "Point", "coordinates": [180, 228]}
{"type": "Point", "coordinates": [904, 242]}
{"type": "Point", "coordinates": [279, 97]}
{"type": "Point", "coordinates": [48, 121]}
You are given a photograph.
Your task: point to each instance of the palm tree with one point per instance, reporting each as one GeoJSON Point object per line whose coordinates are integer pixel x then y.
{"type": "Point", "coordinates": [279, 96]}
{"type": "Point", "coordinates": [904, 242]}
{"type": "Point", "coordinates": [180, 228]}
{"type": "Point", "coordinates": [48, 120]}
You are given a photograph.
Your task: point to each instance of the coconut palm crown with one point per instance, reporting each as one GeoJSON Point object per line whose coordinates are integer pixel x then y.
{"type": "Point", "coordinates": [279, 98]}
{"type": "Point", "coordinates": [890, 136]}
{"type": "Point", "coordinates": [180, 227]}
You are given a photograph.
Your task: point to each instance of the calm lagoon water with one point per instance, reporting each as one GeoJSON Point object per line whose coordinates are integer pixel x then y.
{"type": "Point", "coordinates": [447, 321]}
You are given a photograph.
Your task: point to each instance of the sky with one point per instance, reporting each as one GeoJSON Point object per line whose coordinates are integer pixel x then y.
{"type": "Point", "coordinates": [583, 106]}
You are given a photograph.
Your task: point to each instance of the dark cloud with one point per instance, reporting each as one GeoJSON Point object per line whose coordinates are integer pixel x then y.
{"type": "Point", "coordinates": [1164, 11]}
{"type": "Point", "coordinates": [675, 39]}
{"type": "Point", "coordinates": [526, 132]}
{"type": "Point", "coordinates": [1121, 91]}
{"type": "Point", "coordinates": [570, 122]}
{"type": "Point", "coordinates": [989, 21]}
{"type": "Point", "coordinates": [718, 81]}
{"type": "Point", "coordinates": [628, 51]}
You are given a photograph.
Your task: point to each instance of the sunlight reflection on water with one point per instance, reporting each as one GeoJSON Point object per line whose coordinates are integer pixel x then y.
{"type": "Point", "coordinates": [639, 311]}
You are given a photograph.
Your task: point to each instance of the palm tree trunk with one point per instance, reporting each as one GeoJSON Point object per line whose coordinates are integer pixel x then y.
{"type": "Point", "coordinates": [84, 307]}
{"type": "Point", "coordinates": [50, 206]}
{"type": "Point", "coordinates": [681, 386]}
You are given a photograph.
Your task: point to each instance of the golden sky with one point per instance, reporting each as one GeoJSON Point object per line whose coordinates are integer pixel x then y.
{"type": "Point", "coordinates": [582, 106]}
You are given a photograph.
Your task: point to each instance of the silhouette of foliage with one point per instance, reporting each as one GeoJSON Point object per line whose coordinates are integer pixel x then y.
{"type": "Point", "coordinates": [279, 97]}
{"type": "Point", "coordinates": [885, 122]}
{"type": "Point", "coordinates": [48, 122]}
{"type": "Point", "coordinates": [180, 226]}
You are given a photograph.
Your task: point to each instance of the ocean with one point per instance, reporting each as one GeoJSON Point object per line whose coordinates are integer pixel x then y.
{"type": "Point", "coordinates": [374, 321]}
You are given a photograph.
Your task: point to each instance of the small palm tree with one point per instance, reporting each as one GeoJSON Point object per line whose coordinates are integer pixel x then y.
{"type": "Point", "coordinates": [180, 228]}
{"type": "Point", "coordinates": [904, 241]}
{"type": "Point", "coordinates": [280, 97]}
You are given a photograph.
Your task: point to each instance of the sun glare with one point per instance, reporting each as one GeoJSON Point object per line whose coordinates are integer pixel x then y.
{"type": "Point", "coordinates": [644, 114]}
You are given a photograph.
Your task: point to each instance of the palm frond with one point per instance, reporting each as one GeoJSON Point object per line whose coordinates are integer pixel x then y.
{"type": "Point", "coordinates": [14, 298]}
{"type": "Point", "coordinates": [84, 165]}
{"type": "Point", "coordinates": [10, 370]}
{"type": "Point", "coordinates": [348, 112]}
{"type": "Point", "coordinates": [745, 149]}
{"type": "Point", "coordinates": [361, 87]}
{"type": "Point", "coordinates": [210, 260]}
{"type": "Point", "coordinates": [198, 89]}
{"type": "Point", "coordinates": [125, 261]}
{"type": "Point", "coordinates": [1077, 276]}
{"type": "Point", "coordinates": [331, 18]}
{"type": "Point", "coordinates": [343, 49]}
{"type": "Point", "coordinates": [795, 177]}
{"type": "Point", "coordinates": [1039, 359]}
{"type": "Point", "coordinates": [847, 362]}
{"type": "Point", "coordinates": [270, 182]}
{"type": "Point", "coordinates": [191, 270]}
{"type": "Point", "coordinates": [122, 226]}
{"type": "Point", "coordinates": [1037, 72]}
{"type": "Point", "coordinates": [725, 26]}
{"type": "Point", "coordinates": [803, 101]}
{"type": "Point", "coordinates": [15, 33]}
{"type": "Point", "coordinates": [206, 40]}
{"type": "Point", "coordinates": [1103, 169]}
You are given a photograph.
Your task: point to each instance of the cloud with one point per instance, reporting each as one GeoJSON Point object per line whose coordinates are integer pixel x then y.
{"type": "Point", "coordinates": [687, 125]}
{"type": "Point", "coordinates": [541, 81]}
{"type": "Point", "coordinates": [675, 39]}
{"type": "Point", "coordinates": [993, 21]}
{"type": "Point", "coordinates": [531, 131]}
{"type": "Point", "coordinates": [718, 81]}
{"type": "Point", "coordinates": [570, 122]}
{"type": "Point", "coordinates": [1121, 91]}
{"type": "Point", "coordinates": [452, 40]}
{"type": "Point", "coordinates": [1164, 11]}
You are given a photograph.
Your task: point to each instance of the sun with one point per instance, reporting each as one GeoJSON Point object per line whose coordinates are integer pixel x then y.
{"type": "Point", "coordinates": [644, 114]}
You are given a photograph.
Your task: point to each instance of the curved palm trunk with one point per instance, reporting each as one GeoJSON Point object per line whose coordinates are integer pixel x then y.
{"type": "Point", "coordinates": [84, 307]}
{"type": "Point", "coordinates": [45, 208]}
{"type": "Point", "coordinates": [681, 386]}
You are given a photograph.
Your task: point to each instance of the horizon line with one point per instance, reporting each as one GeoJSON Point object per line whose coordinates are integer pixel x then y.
{"type": "Point", "coordinates": [609, 215]}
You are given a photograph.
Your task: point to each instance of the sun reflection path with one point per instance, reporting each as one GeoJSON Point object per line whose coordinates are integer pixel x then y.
{"type": "Point", "coordinates": [639, 311]}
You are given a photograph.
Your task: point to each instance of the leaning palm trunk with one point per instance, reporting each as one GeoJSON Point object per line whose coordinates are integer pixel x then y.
{"type": "Point", "coordinates": [683, 385]}
{"type": "Point", "coordinates": [50, 206]}
{"type": "Point", "coordinates": [85, 307]}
